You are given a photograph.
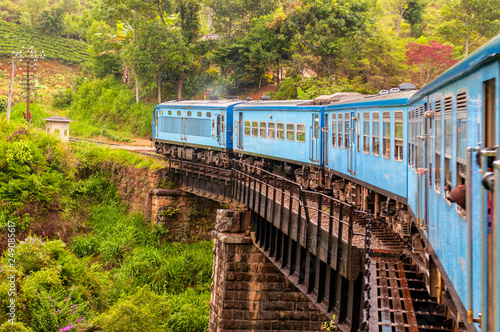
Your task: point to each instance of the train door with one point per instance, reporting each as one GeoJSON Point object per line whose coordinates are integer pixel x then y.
{"type": "Point", "coordinates": [427, 164]}
{"type": "Point", "coordinates": [314, 132]}
{"type": "Point", "coordinates": [324, 140]}
{"type": "Point", "coordinates": [221, 124]}
{"type": "Point", "coordinates": [238, 130]}
{"type": "Point", "coordinates": [350, 141]}
{"type": "Point", "coordinates": [183, 125]}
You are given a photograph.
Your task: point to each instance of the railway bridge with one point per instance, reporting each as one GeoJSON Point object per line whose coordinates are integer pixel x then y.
{"type": "Point", "coordinates": [286, 258]}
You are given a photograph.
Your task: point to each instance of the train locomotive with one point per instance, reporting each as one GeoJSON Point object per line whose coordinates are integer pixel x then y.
{"type": "Point", "coordinates": [401, 154]}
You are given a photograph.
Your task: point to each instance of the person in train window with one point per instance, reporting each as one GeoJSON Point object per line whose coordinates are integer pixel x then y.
{"type": "Point", "coordinates": [458, 195]}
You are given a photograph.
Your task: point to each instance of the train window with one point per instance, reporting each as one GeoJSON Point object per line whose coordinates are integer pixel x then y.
{"type": "Point", "coordinates": [179, 113]}
{"type": "Point", "coordinates": [376, 134]}
{"type": "Point", "coordinates": [161, 112]}
{"type": "Point", "coordinates": [346, 130]}
{"type": "Point", "coordinates": [334, 129]}
{"type": "Point", "coordinates": [189, 113]}
{"type": "Point", "coordinates": [169, 112]}
{"type": "Point", "coordinates": [198, 114]}
{"type": "Point", "coordinates": [410, 138]}
{"type": "Point", "coordinates": [270, 130]}
{"type": "Point", "coordinates": [280, 131]}
{"type": "Point", "coordinates": [437, 146]}
{"type": "Point", "coordinates": [461, 137]}
{"type": "Point", "coordinates": [301, 132]}
{"type": "Point", "coordinates": [448, 143]}
{"type": "Point", "coordinates": [358, 130]}
{"type": "Point", "coordinates": [213, 128]}
{"type": "Point", "coordinates": [255, 129]}
{"type": "Point", "coordinates": [398, 136]}
{"type": "Point", "coordinates": [290, 131]}
{"type": "Point", "coordinates": [209, 114]}
{"type": "Point", "coordinates": [366, 132]}
{"type": "Point", "coordinates": [386, 135]}
{"type": "Point", "coordinates": [247, 128]}
{"type": "Point", "coordinates": [341, 125]}
{"type": "Point", "coordinates": [236, 128]}
{"type": "Point", "coordinates": [263, 129]}
{"type": "Point", "coordinates": [316, 126]}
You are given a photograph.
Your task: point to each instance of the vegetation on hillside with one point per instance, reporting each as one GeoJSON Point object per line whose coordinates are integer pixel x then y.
{"type": "Point", "coordinates": [112, 270]}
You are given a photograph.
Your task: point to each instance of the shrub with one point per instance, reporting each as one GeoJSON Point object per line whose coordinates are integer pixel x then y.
{"type": "Point", "coordinates": [4, 100]}
{"type": "Point", "coordinates": [62, 98]}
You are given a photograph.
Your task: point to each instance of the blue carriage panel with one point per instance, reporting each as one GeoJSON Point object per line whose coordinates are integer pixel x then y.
{"type": "Point", "coordinates": [288, 131]}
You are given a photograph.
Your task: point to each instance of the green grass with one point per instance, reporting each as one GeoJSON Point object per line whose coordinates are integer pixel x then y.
{"type": "Point", "coordinates": [13, 37]}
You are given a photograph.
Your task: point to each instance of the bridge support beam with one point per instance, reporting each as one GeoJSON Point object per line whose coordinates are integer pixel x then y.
{"type": "Point", "coordinates": [248, 291]}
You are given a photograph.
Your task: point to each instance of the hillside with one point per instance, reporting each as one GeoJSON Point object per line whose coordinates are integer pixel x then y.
{"type": "Point", "coordinates": [13, 37]}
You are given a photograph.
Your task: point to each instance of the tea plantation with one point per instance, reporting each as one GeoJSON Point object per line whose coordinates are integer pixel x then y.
{"type": "Point", "coordinates": [13, 37]}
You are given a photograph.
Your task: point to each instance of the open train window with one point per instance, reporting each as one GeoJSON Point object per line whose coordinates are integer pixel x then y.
{"type": "Point", "coordinates": [461, 136]}
{"type": "Point", "coordinates": [301, 132]}
{"type": "Point", "coordinates": [280, 132]}
{"type": "Point", "coordinates": [398, 136]}
{"type": "Point", "coordinates": [346, 130]}
{"type": "Point", "coordinates": [236, 128]}
{"type": "Point", "coordinates": [448, 143]}
{"type": "Point", "coordinates": [376, 134]}
{"type": "Point", "coordinates": [198, 114]}
{"type": "Point", "coordinates": [209, 114]}
{"type": "Point", "coordinates": [161, 112]}
{"type": "Point", "coordinates": [189, 113]}
{"type": "Point", "coordinates": [334, 129]}
{"type": "Point", "coordinates": [386, 135]}
{"type": "Point", "coordinates": [341, 125]}
{"type": "Point", "coordinates": [263, 129]}
{"type": "Point", "coordinates": [247, 128]}
{"type": "Point", "coordinates": [169, 112]}
{"type": "Point", "coordinates": [179, 113]}
{"type": "Point", "coordinates": [270, 130]}
{"type": "Point", "coordinates": [366, 132]}
{"type": "Point", "coordinates": [290, 131]}
{"type": "Point", "coordinates": [255, 129]}
{"type": "Point", "coordinates": [437, 147]}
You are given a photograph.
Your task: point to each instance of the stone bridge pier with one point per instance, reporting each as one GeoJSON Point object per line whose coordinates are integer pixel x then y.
{"type": "Point", "coordinates": [248, 292]}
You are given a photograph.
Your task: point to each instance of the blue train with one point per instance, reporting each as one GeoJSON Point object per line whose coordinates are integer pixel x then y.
{"type": "Point", "coordinates": [425, 161]}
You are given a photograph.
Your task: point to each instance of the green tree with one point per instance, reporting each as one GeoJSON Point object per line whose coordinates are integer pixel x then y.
{"type": "Point", "coordinates": [51, 20]}
{"type": "Point", "coordinates": [470, 22]}
{"type": "Point", "coordinates": [103, 52]}
{"type": "Point", "coordinates": [414, 16]}
{"type": "Point", "coordinates": [33, 8]}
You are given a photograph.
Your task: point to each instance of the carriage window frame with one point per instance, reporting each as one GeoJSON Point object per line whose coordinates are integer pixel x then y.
{"type": "Point", "coordinates": [301, 133]}
{"type": "Point", "coordinates": [347, 123]}
{"type": "Point", "coordinates": [461, 139]}
{"type": "Point", "coordinates": [398, 136]}
{"type": "Point", "coordinates": [199, 114]}
{"type": "Point", "coordinates": [334, 130]}
{"type": "Point", "coordinates": [271, 130]}
{"type": "Point", "coordinates": [437, 146]}
{"type": "Point", "coordinates": [263, 129]}
{"type": "Point", "coordinates": [340, 131]}
{"type": "Point", "coordinates": [366, 132]}
{"type": "Point", "coordinates": [255, 129]}
{"type": "Point", "coordinates": [448, 145]}
{"type": "Point", "coordinates": [358, 131]}
{"type": "Point", "coordinates": [386, 135]}
{"type": "Point", "coordinates": [290, 132]}
{"type": "Point", "coordinates": [189, 113]}
{"type": "Point", "coordinates": [376, 134]}
{"type": "Point", "coordinates": [280, 131]}
{"type": "Point", "coordinates": [209, 114]}
{"type": "Point", "coordinates": [179, 113]}
{"type": "Point", "coordinates": [247, 130]}
{"type": "Point", "coordinates": [169, 112]}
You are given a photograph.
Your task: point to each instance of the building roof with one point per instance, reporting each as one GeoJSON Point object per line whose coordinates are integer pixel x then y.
{"type": "Point", "coordinates": [58, 119]}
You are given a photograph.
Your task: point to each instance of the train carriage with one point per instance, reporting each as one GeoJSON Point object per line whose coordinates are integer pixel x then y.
{"type": "Point", "coordinates": [194, 130]}
{"type": "Point", "coordinates": [451, 120]}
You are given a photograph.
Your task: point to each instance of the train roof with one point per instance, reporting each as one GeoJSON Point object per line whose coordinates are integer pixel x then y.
{"type": "Point", "coordinates": [478, 58]}
{"type": "Point", "coordinates": [200, 104]}
{"type": "Point", "coordinates": [278, 105]}
{"type": "Point", "coordinates": [384, 100]}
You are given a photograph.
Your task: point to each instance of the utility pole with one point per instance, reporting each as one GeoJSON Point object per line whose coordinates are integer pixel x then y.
{"type": "Point", "coordinates": [28, 59]}
{"type": "Point", "coordinates": [11, 86]}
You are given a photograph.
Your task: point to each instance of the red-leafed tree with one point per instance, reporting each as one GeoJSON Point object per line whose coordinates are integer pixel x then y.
{"type": "Point", "coordinates": [428, 61]}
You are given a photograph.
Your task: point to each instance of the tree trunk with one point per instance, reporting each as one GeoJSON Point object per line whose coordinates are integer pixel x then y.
{"type": "Point", "coordinates": [159, 90]}
{"type": "Point", "coordinates": [137, 97]}
{"type": "Point", "coordinates": [467, 44]}
{"type": "Point", "coordinates": [260, 81]}
{"type": "Point", "coordinates": [179, 86]}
